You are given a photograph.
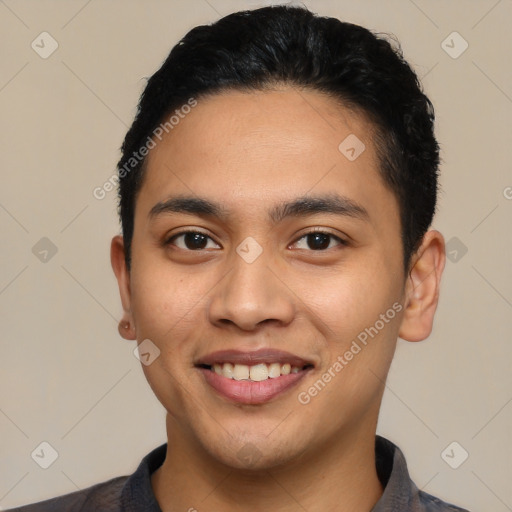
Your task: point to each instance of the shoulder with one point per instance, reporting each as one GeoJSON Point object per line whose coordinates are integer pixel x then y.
{"type": "Point", "coordinates": [130, 492]}
{"type": "Point", "coordinates": [104, 496]}
{"type": "Point", "coordinates": [430, 503]}
{"type": "Point", "coordinates": [400, 492]}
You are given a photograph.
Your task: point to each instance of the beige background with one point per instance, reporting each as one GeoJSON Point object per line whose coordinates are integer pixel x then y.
{"type": "Point", "coordinates": [67, 378]}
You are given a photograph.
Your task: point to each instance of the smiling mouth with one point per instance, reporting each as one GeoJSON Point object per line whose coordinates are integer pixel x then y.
{"type": "Point", "coordinates": [252, 377]}
{"type": "Point", "coordinates": [254, 384]}
{"type": "Point", "coordinates": [254, 373]}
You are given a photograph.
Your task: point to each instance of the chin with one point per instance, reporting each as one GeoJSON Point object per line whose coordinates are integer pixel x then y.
{"type": "Point", "coordinates": [254, 451]}
{"type": "Point", "coordinates": [252, 458]}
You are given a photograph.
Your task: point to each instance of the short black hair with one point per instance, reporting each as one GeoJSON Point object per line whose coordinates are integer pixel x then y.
{"type": "Point", "coordinates": [258, 49]}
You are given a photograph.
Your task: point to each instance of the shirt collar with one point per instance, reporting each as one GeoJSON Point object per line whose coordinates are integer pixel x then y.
{"type": "Point", "coordinates": [400, 492]}
{"type": "Point", "coordinates": [137, 493]}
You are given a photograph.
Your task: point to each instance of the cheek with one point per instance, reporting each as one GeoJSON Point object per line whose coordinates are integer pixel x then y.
{"type": "Point", "coordinates": [359, 313]}
{"type": "Point", "coordinates": [165, 305]}
{"type": "Point", "coordinates": [360, 346]}
{"type": "Point", "coordinates": [349, 300]}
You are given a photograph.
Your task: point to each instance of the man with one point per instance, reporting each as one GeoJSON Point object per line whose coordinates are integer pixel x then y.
{"type": "Point", "coordinates": [276, 192]}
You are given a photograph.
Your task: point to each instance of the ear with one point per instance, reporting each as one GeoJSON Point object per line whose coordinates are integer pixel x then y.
{"type": "Point", "coordinates": [117, 258]}
{"type": "Point", "coordinates": [422, 288]}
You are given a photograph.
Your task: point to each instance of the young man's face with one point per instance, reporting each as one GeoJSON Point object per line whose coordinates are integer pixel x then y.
{"type": "Point", "coordinates": [308, 297]}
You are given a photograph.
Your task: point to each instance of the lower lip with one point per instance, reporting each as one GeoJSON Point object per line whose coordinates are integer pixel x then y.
{"type": "Point", "coordinates": [251, 392]}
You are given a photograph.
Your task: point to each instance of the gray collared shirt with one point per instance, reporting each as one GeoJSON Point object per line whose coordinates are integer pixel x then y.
{"type": "Point", "coordinates": [400, 492]}
{"type": "Point", "coordinates": [134, 493]}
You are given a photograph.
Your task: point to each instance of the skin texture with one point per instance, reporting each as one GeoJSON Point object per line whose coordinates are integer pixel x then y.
{"type": "Point", "coordinates": [249, 152]}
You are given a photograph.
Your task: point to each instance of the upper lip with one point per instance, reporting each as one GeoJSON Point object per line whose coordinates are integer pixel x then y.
{"type": "Point", "coordinates": [250, 358]}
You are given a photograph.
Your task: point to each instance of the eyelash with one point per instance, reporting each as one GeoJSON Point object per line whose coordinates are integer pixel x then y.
{"type": "Point", "coordinates": [313, 231]}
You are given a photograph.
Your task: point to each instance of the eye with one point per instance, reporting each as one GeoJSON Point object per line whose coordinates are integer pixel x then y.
{"type": "Point", "coordinates": [191, 240]}
{"type": "Point", "coordinates": [318, 240]}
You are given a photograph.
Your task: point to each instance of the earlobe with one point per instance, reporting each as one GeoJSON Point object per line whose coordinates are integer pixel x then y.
{"type": "Point", "coordinates": [422, 288]}
{"type": "Point", "coordinates": [126, 326]}
{"type": "Point", "coordinates": [126, 330]}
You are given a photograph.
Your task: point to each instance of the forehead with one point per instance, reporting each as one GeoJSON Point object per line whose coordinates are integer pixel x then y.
{"type": "Point", "coordinates": [250, 148]}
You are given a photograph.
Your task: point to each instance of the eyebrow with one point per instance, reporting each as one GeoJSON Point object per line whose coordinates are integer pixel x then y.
{"type": "Point", "coordinates": [299, 207]}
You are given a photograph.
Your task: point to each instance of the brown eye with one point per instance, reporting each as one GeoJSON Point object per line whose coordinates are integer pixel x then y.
{"type": "Point", "coordinates": [190, 240]}
{"type": "Point", "coordinates": [319, 240]}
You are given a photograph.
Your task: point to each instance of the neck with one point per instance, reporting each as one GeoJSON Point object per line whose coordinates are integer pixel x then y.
{"type": "Point", "coordinates": [338, 476]}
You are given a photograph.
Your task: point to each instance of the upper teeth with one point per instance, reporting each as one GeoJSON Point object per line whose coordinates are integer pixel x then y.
{"type": "Point", "coordinates": [257, 372]}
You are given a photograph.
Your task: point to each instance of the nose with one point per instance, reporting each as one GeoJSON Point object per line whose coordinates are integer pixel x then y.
{"type": "Point", "coordinates": [251, 294]}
